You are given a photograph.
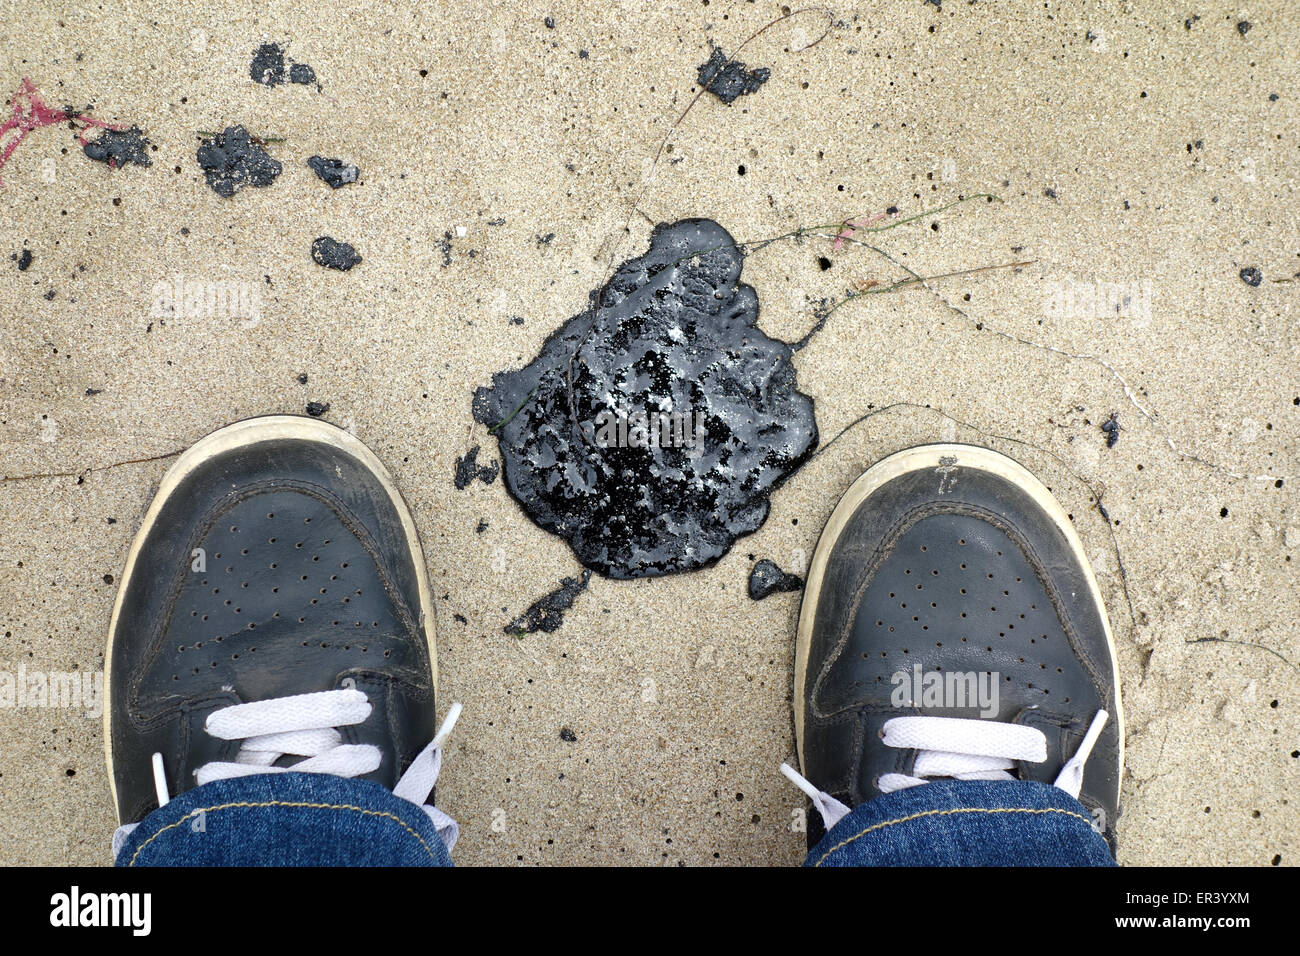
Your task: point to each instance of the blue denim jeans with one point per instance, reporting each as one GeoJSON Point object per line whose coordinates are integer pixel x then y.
{"type": "Point", "coordinates": [966, 823]}
{"type": "Point", "coordinates": [286, 819]}
{"type": "Point", "coordinates": [303, 819]}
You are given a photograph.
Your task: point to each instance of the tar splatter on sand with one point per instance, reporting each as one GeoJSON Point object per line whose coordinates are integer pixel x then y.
{"type": "Point", "coordinates": [672, 331]}
{"type": "Point", "coordinates": [267, 67]}
{"type": "Point", "coordinates": [120, 147]}
{"type": "Point", "coordinates": [334, 172]}
{"type": "Point", "coordinates": [232, 160]}
{"type": "Point", "coordinates": [332, 254]}
{"type": "Point", "coordinates": [468, 468]}
{"type": "Point", "coordinates": [547, 613]}
{"type": "Point", "coordinates": [729, 79]}
{"type": "Point", "coordinates": [768, 578]}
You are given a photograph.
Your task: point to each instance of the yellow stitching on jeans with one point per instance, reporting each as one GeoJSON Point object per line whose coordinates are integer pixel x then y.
{"type": "Point", "coordinates": [283, 803]}
{"type": "Point", "coordinates": [943, 813]}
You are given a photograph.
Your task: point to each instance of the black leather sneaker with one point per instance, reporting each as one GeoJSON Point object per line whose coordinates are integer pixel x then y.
{"type": "Point", "coordinates": [950, 589]}
{"type": "Point", "coordinates": [274, 612]}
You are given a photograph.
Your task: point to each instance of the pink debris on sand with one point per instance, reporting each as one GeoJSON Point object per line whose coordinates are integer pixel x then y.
{"type": "Point", "coordinates": [850, 226]}
{"type": "Point", "coordinates": [30, 112]}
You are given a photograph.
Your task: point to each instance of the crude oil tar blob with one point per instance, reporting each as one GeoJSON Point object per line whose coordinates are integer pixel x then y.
{"type": "Point", "coordinates": [546, 614]}
{"type": "Point", "coordinates": [468, 468]}
{"type": "Point", "coordinates": [267, 67]}
{"type": "Point", "coordinates": [672, 333]}
{"type": "Point", "coordinates": [231, 161]}
{"type": "Point", "coordinates": [335, 172]}
{"type": "Point", "coordinates": [730, 79]}
{"type": "Point", "coordinates": [117, 148]}
{"type": "Point", "coordinates": [768, 578]}
{"type": "Point", "coordinates": [329, 252]}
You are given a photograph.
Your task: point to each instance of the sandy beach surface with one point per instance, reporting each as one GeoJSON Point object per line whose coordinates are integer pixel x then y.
{"type": "Point", "coordinates": [1145, 158]}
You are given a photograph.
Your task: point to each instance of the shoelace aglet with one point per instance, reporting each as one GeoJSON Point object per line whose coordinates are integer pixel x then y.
{"type": "Point", "coordinates": [831, 810]}
{"type": "Point", "coordinates": [1070, 779]}
{"type": "Point", "coordinates": [448, 722]}
{"type": "Point", "coordinates": [160, 780]}
{"type": "Point", "coordinates": [800, 781]}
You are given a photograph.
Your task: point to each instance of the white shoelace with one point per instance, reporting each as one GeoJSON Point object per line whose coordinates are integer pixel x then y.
{"type": "Point", "coordinates": [306, 725]}
{"type": "Point", "coordinates": [962, 750]}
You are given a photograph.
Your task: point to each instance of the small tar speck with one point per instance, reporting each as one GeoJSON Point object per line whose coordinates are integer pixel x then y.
{"type": "Point", "coordinates": [460, 618]}
{"type": "Point", "coordinates": [583, 54]}
{"type": "Point", "coordinates": [231, 161]}
{"type": "Point", "coordinates": [111, 520]}
{"type": "Point", "coordinates": [118, 147]}
{"type": "Point", "coordinates": [49, 296]}
{"type": "Point", "coordinates": [24, 259]}
{"type": "Point", "coordinates": [550, 23]}
{"type": "Point", "coordinates": [445, 247]}
{"type": "Point", "coordinates": [267, 66]}
{"type": "Point", "coordinates": [317, 409]}
{"type": "Point", "coordinates": [482, 526]}
{"type": "Point", "coordinates": [1243, 27]}
{"type": "Point", "coordinates": [516, 320]}
{"type": "Point", "coordinates": [546, 239]}
{"type": "Point", "coordinates": [567, 735]}
{"type": "Point", "coordinates": [329, 252]}
{"type": "Point", "coordinates": [729, 79]}
{"type": "Point", "coordinates": [1110, 427]}
{"type": "Point", "coordinates": [468, 468]}
{"type": "Point", "coordinates": [1049, 192]}
{"type": "Point", "coordinates": [1251, 276]}
{"type": "Point", "coordinates": [302, 379]}
{"type": "Point", "coordinates": [547, 612]}
{"type": "Point", "coordinates": [1272, 97]}
{"type": "Point", "coordinates": [334, 172]}
{"type": "Point", "coordinates": [94, 391]}
{"type": "Point", "coordinates": [768, 578]}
